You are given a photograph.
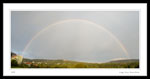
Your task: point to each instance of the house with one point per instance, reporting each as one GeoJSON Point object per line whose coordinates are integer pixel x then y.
{"type": "Point", "coordinates": [28, 63]}
{"type": "Point", "coordinates": [39, 62]}
{"type": "Point", "coordinates": [14, 57]}
{"type": "Point", "coordinates": [33, 62]}
{"type": "Point", "coordinates": [35, 65]}
{"type": "Point", "coordinates": [18, 58]}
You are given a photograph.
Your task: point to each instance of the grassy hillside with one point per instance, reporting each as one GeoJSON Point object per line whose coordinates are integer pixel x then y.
{"type": "Point", "coordinates": [45, 63]}
{"type": "Point", "coordinates": [42, 63]}
{"type": "Point", "coordinates": [127, 60]}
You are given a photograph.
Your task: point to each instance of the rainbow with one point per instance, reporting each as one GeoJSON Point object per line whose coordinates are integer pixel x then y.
{"type": "Point", "coordinates": [80, 20]}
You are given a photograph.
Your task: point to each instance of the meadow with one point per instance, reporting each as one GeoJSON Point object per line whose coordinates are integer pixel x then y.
{"type": "Point", "coordinates": [41, 63]}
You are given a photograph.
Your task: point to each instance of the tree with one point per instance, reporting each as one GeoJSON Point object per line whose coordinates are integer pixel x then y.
{"type": "Point", "coordinates": [14, 63]}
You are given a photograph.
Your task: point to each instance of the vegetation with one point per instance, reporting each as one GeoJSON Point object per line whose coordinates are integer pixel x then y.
{"type": "Point", "coordinates": [20, 62]}
{"type": "Point", "coordinates": [41, 63]}
{"type": "Point", "coordinates": [14, 63]}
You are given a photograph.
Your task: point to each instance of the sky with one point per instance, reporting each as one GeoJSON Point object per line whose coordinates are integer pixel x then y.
{"type": "Point", "coordinates": [75, 40]}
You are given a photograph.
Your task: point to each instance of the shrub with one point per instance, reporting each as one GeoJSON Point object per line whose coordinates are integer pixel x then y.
{"type": "Point", "coordinates": [14, 63]}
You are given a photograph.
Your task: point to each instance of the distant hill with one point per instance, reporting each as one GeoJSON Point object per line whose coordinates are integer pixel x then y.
{"type": "Point", "coordinates": [49, 61]}
{"type": "Point", "coordinates": [60, 63]}
{"type": "Point", "coordinates": [125, 61]}
{"type": "Point", "coordinates": [70, 61]}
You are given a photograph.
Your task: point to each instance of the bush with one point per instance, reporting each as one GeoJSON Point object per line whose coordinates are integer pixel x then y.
{"type": "Point", "coordinates": [14, 63]}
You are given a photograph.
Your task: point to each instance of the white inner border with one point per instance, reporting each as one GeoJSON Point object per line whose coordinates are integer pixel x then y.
{"type": "Point", "coordinates": [142, 8]}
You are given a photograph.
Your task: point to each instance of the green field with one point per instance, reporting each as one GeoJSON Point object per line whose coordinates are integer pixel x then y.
{"type": "Point", "coordinates": [41, 63]}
